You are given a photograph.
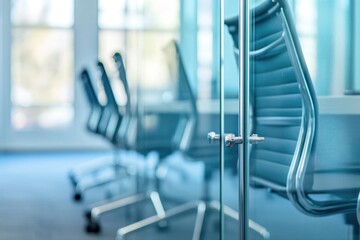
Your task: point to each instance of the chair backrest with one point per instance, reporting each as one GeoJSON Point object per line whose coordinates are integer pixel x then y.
{"type": "Point", "coordinates": [128, 129]}
{"type": "Point", "coordinates": [122, 76]}
{"type": "Point", "coordinates": [118, 120]}
{"type": "Point", "coordinates": [283, 101]}
{"type": "Point", "coordinates": [185, 130]}
{"type": "Point", "coordinates": [111, 100]}
{"type": "Point", "coordinates": [96, 108]}
{"type": "Point", "coordinates": [89, 89]}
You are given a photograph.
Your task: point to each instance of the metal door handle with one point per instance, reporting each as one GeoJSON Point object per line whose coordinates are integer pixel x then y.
{"type": "Point", "coordinates": [231, 140]}
{"type": "Point", "coordinates": [255, 139]}
{"type": "Point", "coordinates": [213, 137]}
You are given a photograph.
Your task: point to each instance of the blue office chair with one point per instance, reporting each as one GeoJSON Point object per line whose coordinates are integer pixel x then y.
{"type": "Point", "coordinates": [285, 112]}
{"type": "Point", "coordinates": [96, 109]}
{"type": "Point", "coordinates": [131, 135]}
{"type": "Point", "coordinates": [102, 121]}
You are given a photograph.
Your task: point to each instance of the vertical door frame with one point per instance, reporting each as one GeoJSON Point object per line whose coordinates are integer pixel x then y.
{"type": "Point", "coordinates": [244, 126]}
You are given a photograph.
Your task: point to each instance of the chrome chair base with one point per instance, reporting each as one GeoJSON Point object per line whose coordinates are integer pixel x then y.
{"type": "Point", "coordinates": [93, 215]}
{"type": "Point", "coordinates": [201, 208]}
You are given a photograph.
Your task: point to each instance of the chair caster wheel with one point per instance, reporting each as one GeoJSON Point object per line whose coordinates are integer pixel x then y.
{"type": "Point", "coordinates": [77, 197]}
{"type": "Point", "coordinates": [93, 227]}
{"type": "Point", "coordinates": [163, 225]}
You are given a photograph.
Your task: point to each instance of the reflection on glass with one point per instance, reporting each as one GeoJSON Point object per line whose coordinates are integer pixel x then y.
{"type": "Point", "coordinates": [42, 63]}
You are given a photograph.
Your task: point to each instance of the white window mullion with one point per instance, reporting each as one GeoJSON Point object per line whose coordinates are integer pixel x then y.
{"type": "Point", "coordinates": [5, 42]}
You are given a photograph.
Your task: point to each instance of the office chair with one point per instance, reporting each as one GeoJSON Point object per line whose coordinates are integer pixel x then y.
{"type": "Point", "coordinates": [196, 148]}
{"type": "Point", "coordinates": [93, 120]}
{"type": "Point", "coordinates": [285, 112]}
{"type": "Point", "coordinates": [103, 120]}
{"type": "Point", "coordinates": [130, 133]}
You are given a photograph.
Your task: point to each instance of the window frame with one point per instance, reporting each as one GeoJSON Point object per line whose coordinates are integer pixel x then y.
{"type": "Point", "coordinates": [74, 136]}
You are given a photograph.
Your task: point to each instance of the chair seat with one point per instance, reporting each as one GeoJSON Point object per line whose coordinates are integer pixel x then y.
{"type": "Point", "coordinates": [342, 182]}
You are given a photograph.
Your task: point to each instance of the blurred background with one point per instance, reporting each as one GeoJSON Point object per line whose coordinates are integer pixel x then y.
{"type": "Point", "coordinates": [45, 113]}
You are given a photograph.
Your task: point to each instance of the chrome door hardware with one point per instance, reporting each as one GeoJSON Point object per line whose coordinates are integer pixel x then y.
{"type": "Point", "coordinates": [231, 140]}
{"type": "Point", "coordinates": [255, 139]}
{"type": "Point", "coordinates": [213, 137]}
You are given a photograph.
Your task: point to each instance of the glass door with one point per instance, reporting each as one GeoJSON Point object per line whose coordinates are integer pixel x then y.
{"type": "Point", "coordinates": [299, 160]}
{"type": "Point", "coordinates": [175, 77]}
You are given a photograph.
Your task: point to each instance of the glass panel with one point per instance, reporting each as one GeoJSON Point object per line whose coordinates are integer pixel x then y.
{"type": "Point", "coordinates": [150, 57]}
{"type": "Point", "coordinates": [42, 73]}
{"type": "Point", "coordinates": [171, 125]}
{"type": "Point", "coordinates": [302, 174]}
{"type": "Point", "coordinates": [193, 165]}
{"type": "Point", "coordinates": [231, 126]}
{"type": "Point", "coordinates": [154, 60]}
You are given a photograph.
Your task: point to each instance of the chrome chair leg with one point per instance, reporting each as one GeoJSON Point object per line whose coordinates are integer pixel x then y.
{"type": "Point", "coordinates": [159, 208]}
{"type": "Point", "coordinates": [105, 207]}
{"type": "Point", "coordinates": [93, 215]}
{"type": "Point", "coordinates": [199, 222]}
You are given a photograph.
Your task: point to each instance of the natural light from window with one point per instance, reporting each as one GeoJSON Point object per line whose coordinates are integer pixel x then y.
{"type": "Point", "coordinates": [42, 86]}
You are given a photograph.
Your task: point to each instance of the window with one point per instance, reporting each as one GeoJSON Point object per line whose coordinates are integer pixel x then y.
{"type": "Point", "coordinates": [140, 30]}
{"type": "Point", "coordinates": [325, 33]}
{"type": "Point", "coordinates": [42, 86]}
